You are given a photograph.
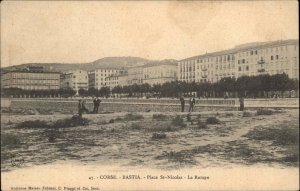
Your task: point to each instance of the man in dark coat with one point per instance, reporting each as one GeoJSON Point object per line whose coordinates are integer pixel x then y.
{"type": "Point", "coordinates": [241, 103]}
{"type": "Point", "coordinates": [96, 104]}
{"type": "Point", "coordinates": [192, 103]}
{"type": "Point", "coordinates": [182, 103]}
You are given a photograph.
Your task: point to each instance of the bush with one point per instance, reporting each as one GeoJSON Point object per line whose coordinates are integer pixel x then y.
{"type": "Point", "coordinates": [70, 122]}
{"type": "Point", "coordinates": [264, 112]}
{"type": "Point", "coordinates": [188, 117]}
{"type": "Point", "coordinates": [229, 114]}
{"type": "Point", "coordinates": [201, 125]}
{"type": "Point", "coordinates": [33, 124]}
{"type": "Point", "coordinates": [118, 119]}
{"type": "Point", "coordinates": [133, 117]}
{"type": "Point", "coordinates": [160, 117]}
{"type": "Point", "coordinates": [212, 120]}
{"type": "Point", "coordinates": [136, 126]}
{"type": "Point", "coordinates": [9, 140]}
{"type": "Point", "coordinates": [178, 121]}
{"type": "Point", "coordinates": [247, 114]}
{"type": "Point", "coordinates": [159, 136]}
{"type": "Point", "coordinates": [163, 128]}
{"type": "Point", "coordinates": [282, 136]}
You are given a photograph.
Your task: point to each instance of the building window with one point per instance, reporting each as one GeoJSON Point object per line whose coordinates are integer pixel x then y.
{"type": "Point", "coordinates": [247, 68]}
{"type": "Point", "coordinates": [277, 57]}
{"type": "Point", "coordinates": [240, 68]}
{"type": "Point", "coordinates": [271, 57]}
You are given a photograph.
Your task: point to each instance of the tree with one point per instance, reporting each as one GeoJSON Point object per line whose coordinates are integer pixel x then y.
{"type": "Point", "coordinates": [104, 91]}
{"type": "Point", "coordinates": [92, 92]}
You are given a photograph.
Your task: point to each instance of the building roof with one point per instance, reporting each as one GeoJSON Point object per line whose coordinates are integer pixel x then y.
{"type": "Point", "coordinates": [160, 63]}
{"type": "Point", "coordinates": [245, 47]}
{"type": "Point", "coordinates": [26, 71]}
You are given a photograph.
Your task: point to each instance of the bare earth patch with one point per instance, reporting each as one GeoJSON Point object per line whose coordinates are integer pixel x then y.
{"type": "Point", "coordinates": [155, 140]}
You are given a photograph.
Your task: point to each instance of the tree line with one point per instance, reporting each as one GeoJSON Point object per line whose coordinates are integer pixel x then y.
{"type": "Point", "coordinates": [248, 86]}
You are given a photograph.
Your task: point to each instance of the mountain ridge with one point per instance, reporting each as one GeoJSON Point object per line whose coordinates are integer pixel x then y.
{"type": "Point", "coordinates": [106, 62]}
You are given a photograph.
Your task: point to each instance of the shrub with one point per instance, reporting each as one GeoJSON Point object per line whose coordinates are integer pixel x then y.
{"type": "Point", "coordinates": [229, 114]}
{"type": "Point", "coordinates": [201, 125]}
{"type": "Point", "coordinates": [136, 126]}
{"type": "Point", "coordinates": [163, 127]}
{"type": "Point", "coordinates": [199, 116]}
{"type": "Point", "coordinates": [133, 117]}
{"type": "Point", "coordinates": [188, 117]}
{"type": "Point", "coordinates": [212, 120]}
{"type": "Point", "coordinates": [33, 124]}
{"type": "Point", "coordinates": [282, 136]}
{"type": "Point", "coordinates": [178, 121]}
{"type": "Point", "coordinates": [159, 136]}
{"type": "Point", "coordinates": [9, 140]}
{"type": "Point", "coordinates": [247, 114]}
{"type": "Point", "coordinates": [71, 122]}
{"type": "Point", "coordinates": [118, 119]}
{"type": "Point", "coordinates": [160, 117]}
{"type": "Point", "coordinates": [52, 134]}
{"type": "Point", "coordinates": [264, 112]}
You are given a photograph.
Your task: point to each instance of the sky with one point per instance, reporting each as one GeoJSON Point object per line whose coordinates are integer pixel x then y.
{"type": "Point", "coordinates": [84, 31]}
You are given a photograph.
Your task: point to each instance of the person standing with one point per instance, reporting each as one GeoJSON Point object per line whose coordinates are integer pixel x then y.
{"type": "Point", "coordinates": [192, 103]}
{"type": "Point", "coordinates": [241, 103]}
{"type": "Point", "coordinates": [96, 104]}
{"type": "Point", "coordinates": [82, 108]}
{"type": "Point", "coordinates": [182, 103]}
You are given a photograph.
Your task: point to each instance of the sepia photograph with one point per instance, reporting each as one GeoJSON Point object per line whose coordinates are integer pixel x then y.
{"type": "Point", "coordinates": [149, 95]}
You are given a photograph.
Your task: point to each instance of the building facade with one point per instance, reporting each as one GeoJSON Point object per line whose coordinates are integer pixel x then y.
{"type": "Point", "coordinates": [31, 80]}
{"type": "Point", "coordinates": [250, 59]}
{"type": "Point", "coordinates": [118, 79]}
{"type": "Point", "coordinates": [159, 74]}
{"type": "Point", "coordinates": [135, 75]}
{"type": "Point", "coordinates": [99, 78]}
{"type": "Point", "coordinates": [76, 79]}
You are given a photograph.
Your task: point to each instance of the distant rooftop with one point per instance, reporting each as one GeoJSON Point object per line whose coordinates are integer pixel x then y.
{"type": "Point", "coordinates": [31, 69]}
{"type": "Point", "coordinates": [244, 47]}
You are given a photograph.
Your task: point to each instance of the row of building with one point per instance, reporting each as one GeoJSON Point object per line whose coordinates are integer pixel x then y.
{"type": "Point", "coordinates": [249, 59]}
{"type": "Point", "coordinates": [35, 78]}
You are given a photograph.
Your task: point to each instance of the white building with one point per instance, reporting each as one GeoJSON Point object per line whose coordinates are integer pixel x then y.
{"type": "Point", "coordinates": [76, 79]}
{"type": "Point", "coordinates": [248, 59]}
{"type": "Point", "coordinates": [98, 78]}
{"type": "Point", "coordinates": [135, 75]}
{"type": "Point", "coordinates": [119, 79]}
{"type": "Point", "coordinates": [160, 73]}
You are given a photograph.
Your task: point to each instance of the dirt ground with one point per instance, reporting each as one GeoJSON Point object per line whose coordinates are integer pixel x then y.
{"type": "Point", "coordinates": [155, 140]}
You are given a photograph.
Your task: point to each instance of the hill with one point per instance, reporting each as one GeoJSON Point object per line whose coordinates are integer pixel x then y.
{"type": "Point", "coordinates": [107, 62]}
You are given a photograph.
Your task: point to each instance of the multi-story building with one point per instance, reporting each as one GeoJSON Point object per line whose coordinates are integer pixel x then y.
{"type": "Point", "coordinates": [31, 79]}
{"type": "Point", "coordinates": [98, 77]}
{"type": "Point", "coordinates": [135, 75]}
{"type": "Point", "coordinates": [118, 79]}
{"type": "Point", "coordinates": [249, 59]}
{"type": "Point", "coordinates": [76, 79]}
{"type": "Point", "coordinates": [159, 73]}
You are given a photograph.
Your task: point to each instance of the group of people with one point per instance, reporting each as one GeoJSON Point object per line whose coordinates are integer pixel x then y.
{"type": "Point", "coordinates": [192, 102]}
{"type": "Point", "coordinates": [82, 107]}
